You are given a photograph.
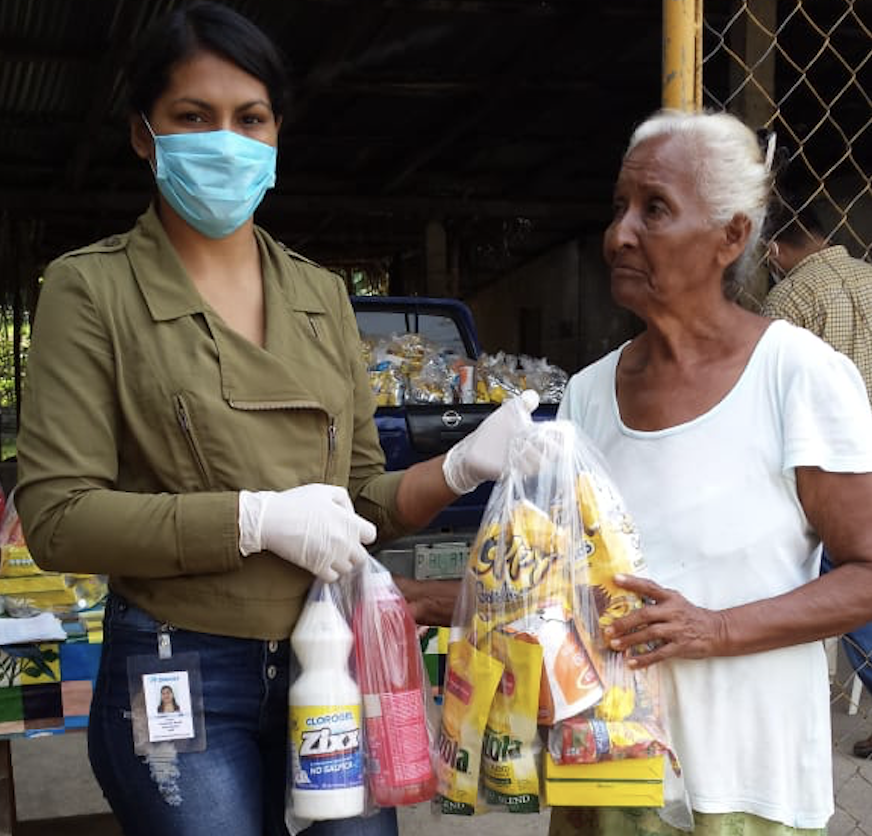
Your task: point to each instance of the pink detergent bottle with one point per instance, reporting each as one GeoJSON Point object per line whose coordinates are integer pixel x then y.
{"type": "Point", "coordinates": [390, 672]}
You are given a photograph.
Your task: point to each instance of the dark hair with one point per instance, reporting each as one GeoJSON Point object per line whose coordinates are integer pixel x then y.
{"type": "Point", "coordinates": [203, 26]}
{"type": "Point", "coordinates": [794, 227]}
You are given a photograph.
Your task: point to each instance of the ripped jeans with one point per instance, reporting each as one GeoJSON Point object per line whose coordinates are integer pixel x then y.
{"type": "Point", "coordinates": [237, 785]}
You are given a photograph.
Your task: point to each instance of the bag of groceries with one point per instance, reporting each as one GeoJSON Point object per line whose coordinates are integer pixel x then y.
{"type": "Point", "coordinates": [537, 708]}
{"type": "Point", "coordinates": [27, 590]}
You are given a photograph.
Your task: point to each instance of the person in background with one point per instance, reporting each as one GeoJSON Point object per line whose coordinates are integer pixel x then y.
{"type": "Point", "coordinates": [739, 444]}
{"type": "Point", "coordinates": [198, 425]}
{"type": "Point", "coordinates": [822, 288]}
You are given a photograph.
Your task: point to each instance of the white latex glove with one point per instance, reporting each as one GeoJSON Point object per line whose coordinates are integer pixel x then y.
{"type": "Point", "coordinates": [313, 526]}
{"type": "Point", "coordinates": [482, 455]}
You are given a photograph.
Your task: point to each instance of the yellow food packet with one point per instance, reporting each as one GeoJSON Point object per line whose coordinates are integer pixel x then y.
{"type": "Point", "coordinates": [611, 544]}
{"type": "Point", "coordinates": [511, 742]}
{"type": "Point", "coordinates": [15, 561]}
{"type": "Point", "coordinates": [519, 564]}
{"type": "Point", "coordinates": [617, 704]}
{"type": "Point", "coordinates": [470, 682]}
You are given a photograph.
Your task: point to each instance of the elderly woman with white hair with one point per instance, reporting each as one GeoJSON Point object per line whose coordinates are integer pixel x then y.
{"type": "Point", "coordinates": [740, 445]}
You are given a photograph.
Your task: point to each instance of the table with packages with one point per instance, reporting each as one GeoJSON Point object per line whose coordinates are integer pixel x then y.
{"type": "Point", "coordinates": [45, 688]}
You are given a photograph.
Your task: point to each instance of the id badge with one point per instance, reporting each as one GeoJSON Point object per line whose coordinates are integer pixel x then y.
{"type": "Point", "coordinates": [166, 700]}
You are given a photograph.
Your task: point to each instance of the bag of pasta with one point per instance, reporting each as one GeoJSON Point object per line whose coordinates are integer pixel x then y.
{"type": "Point", "coordinates": [528, 632]}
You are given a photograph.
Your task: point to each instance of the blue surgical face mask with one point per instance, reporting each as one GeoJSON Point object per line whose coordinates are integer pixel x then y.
{"type": "Point", "coordinates": [213, 179]}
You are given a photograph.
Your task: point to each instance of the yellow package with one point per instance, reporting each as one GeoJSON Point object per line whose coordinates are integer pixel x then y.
{"type": "Point", "coordinates": [570, 681]}
{"type": "Point", "coordinates": [628, 783]}
{"type": "Point", "coordinates": [25, 584]}
{"type": "Point", "coordinates": [511, 742]}
{"type": "Point", "coordinates": [470, 682]}
{"type": "Point", "coordinates": [15, 561]}
{"type": "Point", "coordinates": [48, 600]}
{"type": "Point", "coordinates": [51, 592]}
{"type": "Point", "coordinates": [611, 545]}
{"type": "Point", "coordinates": [518, 565]}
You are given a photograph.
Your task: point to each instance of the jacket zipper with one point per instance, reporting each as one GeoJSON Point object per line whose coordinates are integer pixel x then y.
{"type": "Point", "coordinates": [331, 446]}
{"type": "Point", "coordinates": [193, 446]}
{"type": "Point", "coordinates": [313, 326]}
{"type": "Point", "coordinates": [255, 406]}
{"type": "Point", "coordinates": [331, 421]}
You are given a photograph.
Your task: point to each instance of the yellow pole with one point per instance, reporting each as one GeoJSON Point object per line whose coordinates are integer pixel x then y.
{"type": "Point", "coordinates": [682, 54]}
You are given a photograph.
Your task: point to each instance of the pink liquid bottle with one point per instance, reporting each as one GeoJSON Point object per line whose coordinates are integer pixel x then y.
{"type": "Point", "coordinates": [390, 673]}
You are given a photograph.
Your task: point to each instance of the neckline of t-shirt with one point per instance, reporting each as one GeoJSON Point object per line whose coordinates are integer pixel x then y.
{"type": "Point", "coordinates": [705, 416]}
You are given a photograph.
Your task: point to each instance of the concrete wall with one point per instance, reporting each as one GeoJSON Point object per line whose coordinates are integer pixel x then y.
{"type": "Point", "coordinates": [557, 306]}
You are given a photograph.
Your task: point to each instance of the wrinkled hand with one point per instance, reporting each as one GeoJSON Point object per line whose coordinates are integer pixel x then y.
{"type": "Point", "coordinates": [430, 602]}
{"type": "Point", "coordinates": [313, 526]}
{"type": "Point", "coordinates": [671, 625]}
{"type": "Point", "coordinates": [482, 455]}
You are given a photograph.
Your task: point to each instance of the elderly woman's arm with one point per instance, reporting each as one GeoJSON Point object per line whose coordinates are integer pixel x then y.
{"type": "Point", "coordinates": [839, 507]}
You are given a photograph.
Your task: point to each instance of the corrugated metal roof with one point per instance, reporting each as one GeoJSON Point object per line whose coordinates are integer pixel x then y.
{"type": "Point", "coordinates": [478, 112]}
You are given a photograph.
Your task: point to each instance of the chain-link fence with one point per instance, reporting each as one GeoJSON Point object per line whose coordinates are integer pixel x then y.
{"type": "Point", "coordinates": [802, 68]}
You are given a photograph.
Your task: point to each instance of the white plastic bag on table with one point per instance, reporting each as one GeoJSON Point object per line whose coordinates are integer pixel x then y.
{"type": "Point", "coordinates": [554, 534]}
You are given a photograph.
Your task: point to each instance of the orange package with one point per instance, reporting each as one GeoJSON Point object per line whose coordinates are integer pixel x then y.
{"type": "Point", "coordinates": [570, 682]}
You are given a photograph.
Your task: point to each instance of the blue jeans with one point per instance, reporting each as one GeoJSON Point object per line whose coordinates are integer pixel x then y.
{"type": "Point", "coordinates": [858, 643]}
{"type": "Point", "coordinates": [237, 785]}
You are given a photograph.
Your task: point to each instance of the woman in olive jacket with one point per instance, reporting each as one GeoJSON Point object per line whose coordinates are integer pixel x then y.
{"type": "Point", "coordinates": [198, 425]}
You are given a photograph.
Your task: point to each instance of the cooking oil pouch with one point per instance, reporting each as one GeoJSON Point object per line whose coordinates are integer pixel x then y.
{"type": "Point", "coordinates": [471, 680]}
{"type": "Point", "coordinates": [511, 740]}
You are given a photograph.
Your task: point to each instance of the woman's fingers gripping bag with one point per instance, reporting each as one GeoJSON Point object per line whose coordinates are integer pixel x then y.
{"type": "Point", "coordinates": [529, 662]}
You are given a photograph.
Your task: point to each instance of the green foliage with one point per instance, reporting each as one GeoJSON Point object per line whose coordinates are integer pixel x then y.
{"type": "Point", "coordinates": [7, 356]}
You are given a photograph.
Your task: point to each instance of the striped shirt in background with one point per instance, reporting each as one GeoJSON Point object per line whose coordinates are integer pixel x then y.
{"type": "Point", "coordinates": [830, 294]}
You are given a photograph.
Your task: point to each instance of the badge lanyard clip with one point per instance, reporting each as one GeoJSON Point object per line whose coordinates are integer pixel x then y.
{"type": "Point", "coordinates": [164, 643]}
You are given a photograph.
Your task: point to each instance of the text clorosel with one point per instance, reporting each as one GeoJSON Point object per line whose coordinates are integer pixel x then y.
{"type": "Point", "coordinates": [325, 716]}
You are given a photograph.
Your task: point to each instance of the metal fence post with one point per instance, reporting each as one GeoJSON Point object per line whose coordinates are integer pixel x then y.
{"type": "Point", "coordinates": [682, 54]}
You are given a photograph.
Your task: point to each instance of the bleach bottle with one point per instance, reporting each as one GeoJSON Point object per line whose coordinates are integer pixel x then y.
{"type": "Point", "coordinates": [327, 778]}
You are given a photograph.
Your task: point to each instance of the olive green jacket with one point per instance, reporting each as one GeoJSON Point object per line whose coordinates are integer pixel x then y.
{"type": "Point", "coordinates": [144, 415]}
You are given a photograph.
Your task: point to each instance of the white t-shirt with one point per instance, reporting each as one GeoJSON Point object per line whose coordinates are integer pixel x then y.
{"type": "Point", "coordinates": [716, 505]}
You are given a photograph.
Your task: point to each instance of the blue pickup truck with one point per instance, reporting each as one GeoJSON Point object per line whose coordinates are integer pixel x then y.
{"type": "Point", "coordinates": [411, 433]}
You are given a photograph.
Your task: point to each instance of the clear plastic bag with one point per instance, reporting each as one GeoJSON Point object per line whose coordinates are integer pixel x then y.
{"type": "Point", "coordinates": [541, 570]}
{"type": "Point", "coordinates": [362, 728]}
{"type": "Point", "coordinates": [543, 377]}
{"type": "Point", "coordinates": [398, 724]}
{"type": "Point", "coordinates": [496, 378]}
{"type": "Point", "coordinates": [27, 590]}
